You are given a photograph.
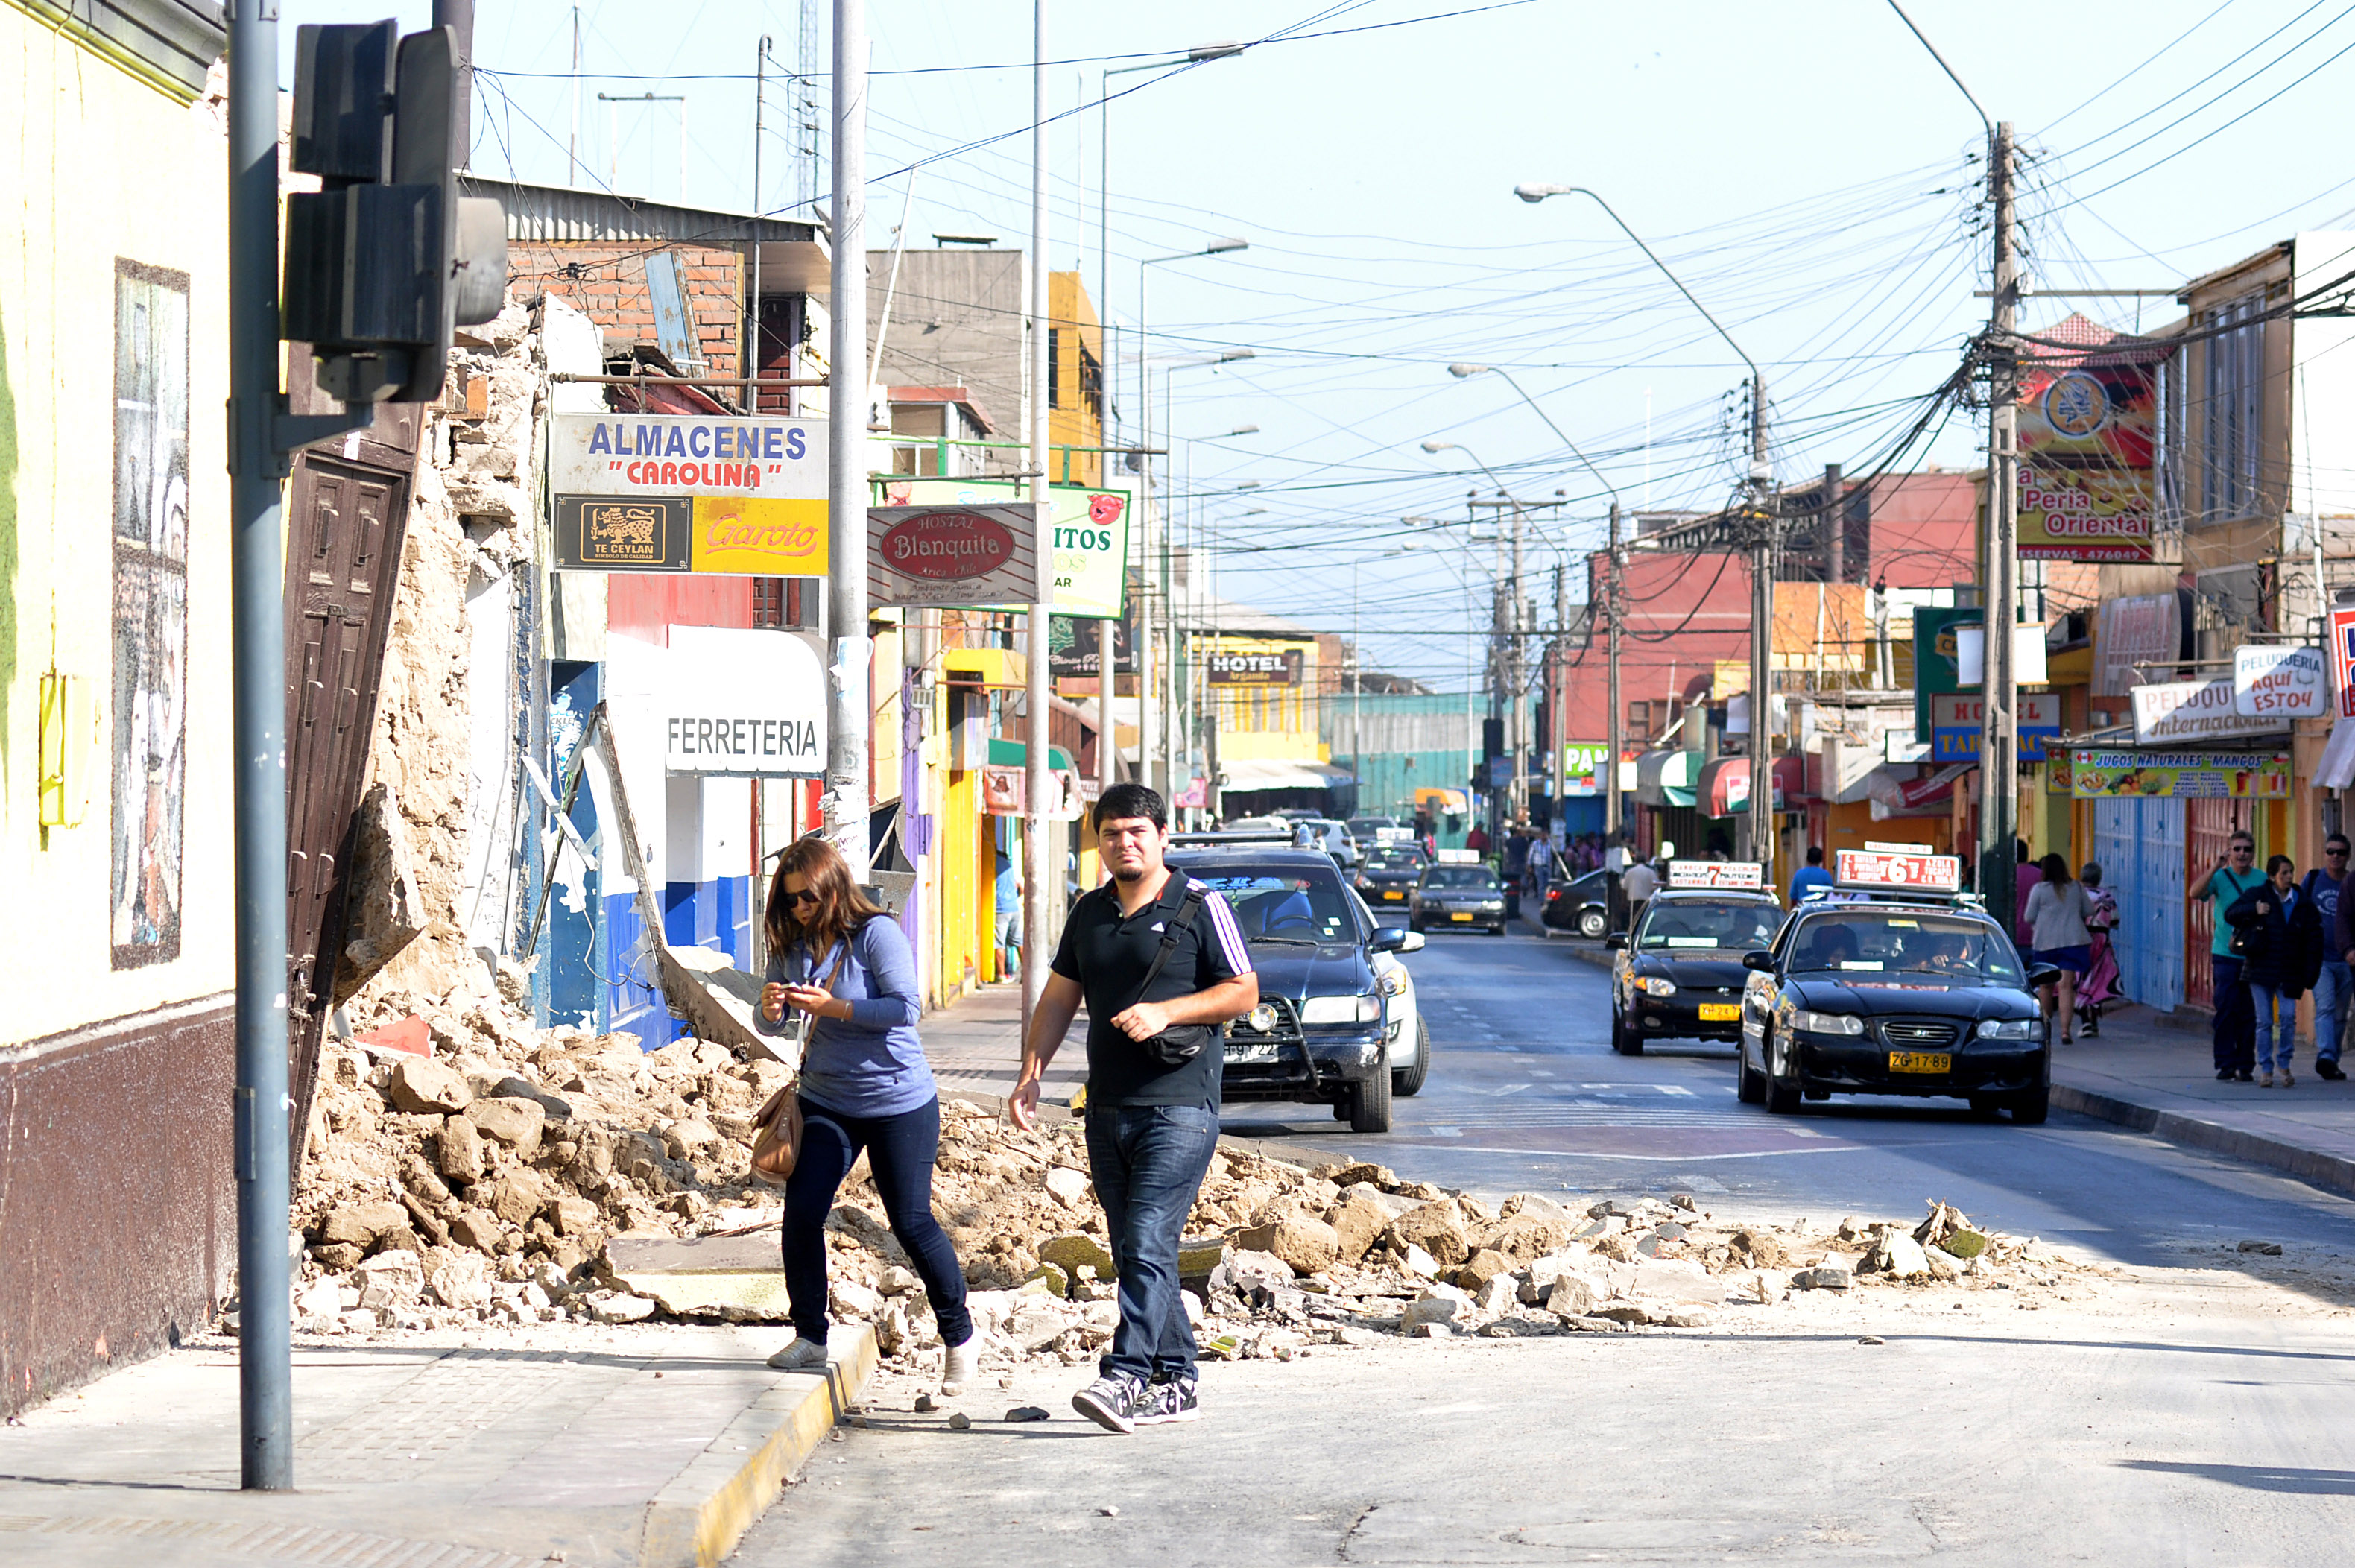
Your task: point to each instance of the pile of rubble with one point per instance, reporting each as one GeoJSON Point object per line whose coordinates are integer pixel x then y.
{"type": "Point", "coordinates": [509, 1177]}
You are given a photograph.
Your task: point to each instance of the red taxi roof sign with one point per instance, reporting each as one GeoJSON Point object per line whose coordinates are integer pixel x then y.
{"type": "Point", "coordinates": [1716, 874]}
{"type": "Point", "coordinates": [1909, 870]}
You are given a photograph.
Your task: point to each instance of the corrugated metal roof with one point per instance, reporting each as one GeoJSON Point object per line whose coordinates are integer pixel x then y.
{"type": "Point", "coordinates": [541, 213]}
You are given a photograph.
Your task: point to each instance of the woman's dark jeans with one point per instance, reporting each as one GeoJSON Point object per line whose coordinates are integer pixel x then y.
{"type": "Point", "coordinates": [900, 1152]}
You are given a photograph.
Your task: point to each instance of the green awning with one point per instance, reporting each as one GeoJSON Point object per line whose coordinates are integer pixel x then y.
{"type": "Point", "coordinates": [1014, 755]}
{"type": "Point", "coordinates": [1667, 778]}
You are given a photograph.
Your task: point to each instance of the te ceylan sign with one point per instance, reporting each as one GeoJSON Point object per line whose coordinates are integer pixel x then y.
{"type": "Point", "coordinates": [697, 493]}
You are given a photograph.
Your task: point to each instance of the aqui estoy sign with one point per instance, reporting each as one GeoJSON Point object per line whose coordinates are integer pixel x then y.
{"type": "Point", "coordinates": [743, 495]}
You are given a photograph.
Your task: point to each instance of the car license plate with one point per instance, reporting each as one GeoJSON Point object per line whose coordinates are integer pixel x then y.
{"type": "Point", "coordinates": [1459, 916]}
{"type": "Point", "coordinates": [1393, 893]}
{"type": "Point", "coordinates": [1720, 1012]}
{"type": "Point", "coordinates": [1250, 1050]}
{"type": "Point", "coordinates": [1921, 1062]}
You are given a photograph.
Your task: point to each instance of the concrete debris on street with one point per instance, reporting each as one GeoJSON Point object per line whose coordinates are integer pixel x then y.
{"type": "Point", "coordinates": [527, 1177]}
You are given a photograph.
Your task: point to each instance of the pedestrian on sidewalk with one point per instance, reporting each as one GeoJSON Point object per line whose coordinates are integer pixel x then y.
{"type": "Point", "coordinates": [2281, 936]}
{"type": "Point", "coordinates": [2332, 987]}
{"type": "Point", "coordinates": [2057, 916]}
{"type": "Point", "coordinates": [2234, 1026]}
{"type": "Point", "coordinates": [1811, 877]}
{"type": "Point", "coordinates": [1638, 882]}
{"type": "Point", "coordinates": [2100, 985]}
{"type": "Point", "coordinates": [864, 1086]}
{"type": "Point", "coordinates": [1161, 964]}
{"type": "Point", "coordinates": [1007, 912]}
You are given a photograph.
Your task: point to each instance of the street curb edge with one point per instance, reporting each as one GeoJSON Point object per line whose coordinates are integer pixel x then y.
{"type": "Point", "coordinates": [2214, 1137]}
{"type": "Point", "coordinates": [698, 1520]}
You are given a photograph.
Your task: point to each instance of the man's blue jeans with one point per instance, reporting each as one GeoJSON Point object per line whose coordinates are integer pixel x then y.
{"type": "Point", "coordinates": [2331, 991]}
{"type": "Point", "coordinates": [2276, 1016]}
{"type": "Point", "coordinates": [1148, 1162]}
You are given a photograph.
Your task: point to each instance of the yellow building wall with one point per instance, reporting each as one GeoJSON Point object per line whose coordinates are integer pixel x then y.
{"type": "Point", "coordinates": [1071, 422]}
{"type": "Point", "coordinates": [104, 177]}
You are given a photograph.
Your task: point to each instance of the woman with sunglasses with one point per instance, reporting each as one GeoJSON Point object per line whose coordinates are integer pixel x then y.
{"type": "Point", "coordinates": [864, 1086]}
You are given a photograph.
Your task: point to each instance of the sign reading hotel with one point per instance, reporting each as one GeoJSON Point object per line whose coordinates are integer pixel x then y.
{"type": "Point", "coordinates": [704, 493]}
{"type": "Point", "coordinates": [1090, 526]}
{"type": "Point", "coordinates": [1956, 717]}
{"type": "Point", "coordinates": [1257, 664]}
{"type": "Point", "coordinates": [2087, 484]}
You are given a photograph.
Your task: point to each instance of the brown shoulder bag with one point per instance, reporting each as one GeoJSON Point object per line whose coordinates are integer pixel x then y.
{"type": "Point", "coordinates": [777, 1130]}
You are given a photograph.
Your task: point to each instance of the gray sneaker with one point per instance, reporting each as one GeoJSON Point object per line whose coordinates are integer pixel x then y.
{"type": "Point", "coordinates": [1169, 1401]}
{"type": "Point", "coordinates": [1111, 1402]}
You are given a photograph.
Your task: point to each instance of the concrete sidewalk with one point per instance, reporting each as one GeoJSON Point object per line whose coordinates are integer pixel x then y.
{"type": "Point", "coordinates": [640, 1446]}
{"type": "Point", "coordinates": [975, 1045]}
{"type": "Point", "coordinates": [2147, 1072]}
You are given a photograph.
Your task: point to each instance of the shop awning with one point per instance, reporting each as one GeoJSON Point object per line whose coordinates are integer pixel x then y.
{"type": "Point", "coordinates": [1014, 755]}
{"type": "Point", "coordinates": [1667, 778]}
{"type": "Point", "coordinates": [1894, 792]}
{"type": "Point", "coordinates": [1258, 774]}
{"type": "Point", "coordinates": [1443, 802]}
{"type": "Point", "coordinates": [1723, 788]}
{"type": "Point", "coordinates": [2337, 769]}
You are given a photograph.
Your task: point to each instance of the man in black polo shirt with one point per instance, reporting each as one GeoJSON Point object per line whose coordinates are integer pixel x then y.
{"type": "Point", "coordinates": [1153, 1108]}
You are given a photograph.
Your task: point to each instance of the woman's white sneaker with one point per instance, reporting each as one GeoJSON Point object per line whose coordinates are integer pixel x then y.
{"type": "Point", "coordinates": [801, 1356]}
{"type": "Point", "coordinates": [956, 1368]}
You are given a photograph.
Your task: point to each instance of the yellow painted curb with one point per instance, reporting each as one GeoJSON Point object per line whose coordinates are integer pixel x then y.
{"type": "Point", "coordinates": [696, 1521]}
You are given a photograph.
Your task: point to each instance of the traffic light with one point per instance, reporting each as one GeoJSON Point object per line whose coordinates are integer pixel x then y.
{"type": "Point", "coordinates": [385, 259]}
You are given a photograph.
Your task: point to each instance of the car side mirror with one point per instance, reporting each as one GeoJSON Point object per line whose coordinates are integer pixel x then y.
{"type": "Point", "coordinates": [2042, 975]}
{"type": "Point", "coordinates": [1396, 939]}
{"type": "Point", "coordinates": [1616, 942]}
{"type": "Point", "coordinates": [1761, 962]}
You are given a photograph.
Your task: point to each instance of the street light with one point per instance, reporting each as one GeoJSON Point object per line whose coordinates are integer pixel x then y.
{"type": "Point", "coordinates": [1613, 736]}
{"type": "Point", "coordinates": [1762, 564]}
{"type": "Point", "coordinates": [1145, 726]}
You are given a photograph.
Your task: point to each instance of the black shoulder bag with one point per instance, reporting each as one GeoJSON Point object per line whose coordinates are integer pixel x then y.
{"type": "Point", "coordinates": [1180, 1043]}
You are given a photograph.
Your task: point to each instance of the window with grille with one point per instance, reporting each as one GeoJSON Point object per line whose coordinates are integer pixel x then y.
{"type": "Point", "coordinates": [2232, 411]}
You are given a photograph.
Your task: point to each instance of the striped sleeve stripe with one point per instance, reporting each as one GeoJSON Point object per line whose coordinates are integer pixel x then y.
{"type": "Point", "coordinates": [1230, 935]}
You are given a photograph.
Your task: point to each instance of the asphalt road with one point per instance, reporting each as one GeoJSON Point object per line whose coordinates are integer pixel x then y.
{"type": "Point", "coordinates": [1526, 1094]}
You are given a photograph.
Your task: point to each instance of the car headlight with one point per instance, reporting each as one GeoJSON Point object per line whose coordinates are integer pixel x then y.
{"type": "Point", "coordinates": [2013, 1029]}
{"type": "Point", "coordinates": [1362, 1009]}
{"type": "Point", "coordinates": [1655, 986]}
{"type": "Point", "coordinates": [1487, 904]}
{"type": "Point", "coordinates": [1263, 1018]}
{"type": "Point", "coordinates": [1393, 982]}
{"type": "Point", "coordinates": [1827, 1023]}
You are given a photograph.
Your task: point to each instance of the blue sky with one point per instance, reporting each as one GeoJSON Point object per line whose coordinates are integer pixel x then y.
{"type": "Point", "coordinates": [1804, 167]}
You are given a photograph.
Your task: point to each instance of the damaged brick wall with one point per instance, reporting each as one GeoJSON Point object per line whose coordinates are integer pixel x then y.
{"type": "Point", "coordinates": [608, 284]}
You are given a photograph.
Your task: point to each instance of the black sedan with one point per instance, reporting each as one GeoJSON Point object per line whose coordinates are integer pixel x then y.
{"type": "Point", "coordinates": [1582, 905]}
{"type": "Point", "coordinates": [1388, 874]}
{"type": "Point", "coordinates": [1459, 897]}
{"type": "Point", "coordinates": [1888, 997]}
{"type": "Point", "coordinates": [1679, 973]}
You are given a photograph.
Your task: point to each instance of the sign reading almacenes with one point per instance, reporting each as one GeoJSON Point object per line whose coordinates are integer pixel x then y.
{"type": "Point", "coordinates": [706, 493]}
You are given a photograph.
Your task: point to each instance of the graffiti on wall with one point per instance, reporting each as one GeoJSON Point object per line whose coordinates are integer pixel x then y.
{"type": "Point", "coordinates": [150, 610]}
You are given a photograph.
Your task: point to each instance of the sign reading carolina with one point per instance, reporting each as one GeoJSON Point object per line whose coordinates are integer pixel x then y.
{"type": "Point", "coordinates": [961, 557]}
{"type": "Point", "coordinates": [2086, 479]}
{"type": "Point", "coordinates": [724, 494]}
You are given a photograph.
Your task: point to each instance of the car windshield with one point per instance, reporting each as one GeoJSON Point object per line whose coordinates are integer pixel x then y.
{"type": "Point", "coordinates": [1863, 942]}
{"type": "Point", "coordinates": [1365, 825]}
{"type": "Point", "coordinates": [1460, 877]}
{"type": "Point", "coordinates": [1392, 860]}
{"type": "Point", "coordinates": [1735, 926]}
{"type": "Point", "coordinates": [1282, 903]}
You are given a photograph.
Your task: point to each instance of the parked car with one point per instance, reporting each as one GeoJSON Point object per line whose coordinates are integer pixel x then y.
{"type": "Point", "coordinates": [1448, 895]}
{"type": "Point", "coordinates": [1910, 994]}
{"type": "Point", "coordinates": [1582, 905]}
{"type": "Point", "coordinates": [1404, 1033]}
{"type": "Point", "coordinates": [1679, 974]}
{"type": "Point", "coordinates": [1331, 837]}
{"type": "Point", "coordinates": [1323, 1030]}
{"type": "Point", "coordinates": [1387, 875]}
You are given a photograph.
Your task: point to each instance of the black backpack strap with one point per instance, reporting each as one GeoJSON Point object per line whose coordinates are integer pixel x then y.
{"type": "Point", "coordinates": [1188, 908]}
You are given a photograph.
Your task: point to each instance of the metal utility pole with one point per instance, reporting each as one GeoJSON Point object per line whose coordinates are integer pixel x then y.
{"type": "Point", "coordinates": [1558, 693]}
{"type": "Point", "coordinates": [1516, 715]}
{"type": "Point", "coordinates": [1834, 527]}
{"type": "Point", "coordinates": [848, 715]}
{"type": "Point", "coordinates": [258, 633]}
{"type": "Point", "coordinates": [1038, 778]}
{"type": "Point", "coordinates": [572, 142]}
{"type": "Point", "coordinates": [1998, 733]}
{"type": "Point", "coordinates": [751, 365]}
{"type": "Point", "coordinates": [1613, 608]}
{"type": "Point", "coordinates": [459, 16]}
{"type": "Point", "coordinates": [1762, 636]}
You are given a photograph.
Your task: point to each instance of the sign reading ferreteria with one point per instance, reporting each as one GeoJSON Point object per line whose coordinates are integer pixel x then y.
{"type": "Point", "coordinates": [739, 703]}
{"type": "Point", "coordinates": [2173, 711]}
{"type": "Point", "coordinates": [721, 494]}
{"type": "Point", "coordinates": [1956, 717]}
{"type": "Point", "coordinates": [2184, 775]}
